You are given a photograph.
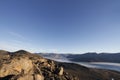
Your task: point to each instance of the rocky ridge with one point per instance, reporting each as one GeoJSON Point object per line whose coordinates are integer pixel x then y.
{"type": "Point", "coordinates": [23, 65]}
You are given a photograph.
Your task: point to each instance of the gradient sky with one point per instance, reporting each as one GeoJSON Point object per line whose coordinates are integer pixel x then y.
{"type": "Point", "coordinates": [63, 26]}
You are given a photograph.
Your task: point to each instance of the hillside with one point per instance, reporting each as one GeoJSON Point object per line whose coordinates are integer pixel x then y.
{"type": "Point", "coordinates": [94, 57]}
{"type": "Point", "coordinates": [86, 57]}
{"type": "Point", "coordinates": [23, 65]}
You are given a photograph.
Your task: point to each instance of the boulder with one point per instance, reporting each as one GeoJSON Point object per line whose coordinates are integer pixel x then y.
{"type": "Point", "coordinates": [38, 77]}
{"type": "Point", "coordinates": [16, 66]}
{"type": "Point", "coordinates": [26, 77]}
{"type": "Point", "coordinates": [60, 73]}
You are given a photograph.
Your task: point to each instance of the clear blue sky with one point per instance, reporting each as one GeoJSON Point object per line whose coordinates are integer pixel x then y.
{"type": "Point", "coordinates": [69, 26]}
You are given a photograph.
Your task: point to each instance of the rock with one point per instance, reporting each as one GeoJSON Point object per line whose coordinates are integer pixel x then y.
{"type": "Point", "coordinates": [31, 77]}
{"type": "Point", "coordinates": [38, 77]}
{"type": "Point", "coordinates": [26, 77]}
{"type": "Point", "coordinates": [60, 73]}
{"type": "Point", "coordinates": [4, 54]}
{"type": "Point", "coordinates": [16, 66]}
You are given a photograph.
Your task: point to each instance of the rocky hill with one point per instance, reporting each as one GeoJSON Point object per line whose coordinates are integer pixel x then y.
{"type": "Point", "coordinates": [23, 65]}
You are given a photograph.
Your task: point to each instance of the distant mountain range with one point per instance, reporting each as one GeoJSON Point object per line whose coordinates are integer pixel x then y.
{"type": "Point", "coordinates": [87, 57]}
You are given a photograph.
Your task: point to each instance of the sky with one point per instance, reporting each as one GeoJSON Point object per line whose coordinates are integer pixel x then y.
{"type": "Point", "coordinates": [60, 26]}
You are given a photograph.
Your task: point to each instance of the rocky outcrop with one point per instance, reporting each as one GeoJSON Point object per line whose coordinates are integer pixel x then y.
{"type": "Point", "coordinates": [22, 65]}
{"type": "Point", "coordinates": [60, 71]}
{"type": "Point", "coordinates": [16, 66]}
{"type": "Point", "coordinates": [4, 54]}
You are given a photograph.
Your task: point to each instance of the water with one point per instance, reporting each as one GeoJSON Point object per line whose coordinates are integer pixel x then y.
{"type": "Point", "coordinates": [99, 65]}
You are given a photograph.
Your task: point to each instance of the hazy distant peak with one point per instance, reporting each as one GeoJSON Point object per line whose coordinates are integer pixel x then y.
{"type": "Point", "coordinates": [90, 53]}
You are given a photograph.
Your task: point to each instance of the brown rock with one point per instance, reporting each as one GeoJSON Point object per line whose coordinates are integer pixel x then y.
{"type": "Point", "coordinates": [16, 66]}
{"type": "Point", "coordinates": [26, 77]}
{"type": "Point", "coordinates": [60, 71]}
{"type": "Point", "coordinates": [38, 77]}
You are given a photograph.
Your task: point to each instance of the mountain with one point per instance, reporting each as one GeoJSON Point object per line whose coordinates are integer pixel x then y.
{"type": "Point", "coordinates": [23, 65]}
{"type": "Point", "coordinates": [87, 57]}
{"type": "Point", "coordinates": [55, 56]}
{"type": "Point", "coordinates": [94, 57]}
